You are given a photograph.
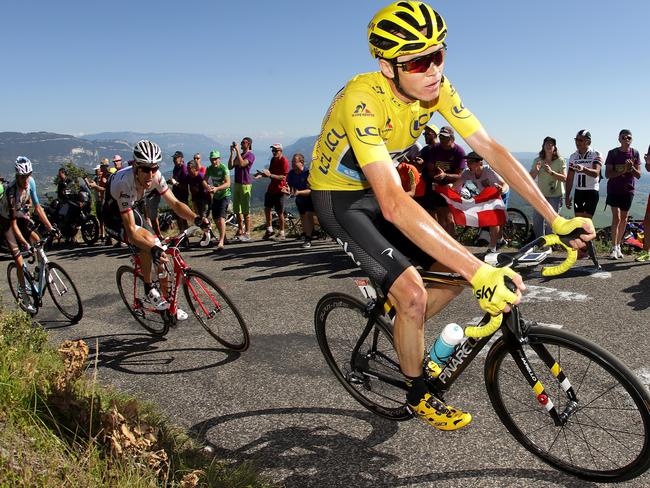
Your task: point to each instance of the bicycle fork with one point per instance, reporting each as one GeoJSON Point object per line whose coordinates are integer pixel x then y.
{"type": "Point", "coordinates": [520, 358]}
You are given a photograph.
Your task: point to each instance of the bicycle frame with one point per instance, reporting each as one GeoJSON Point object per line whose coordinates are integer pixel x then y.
{"type": "Point", "coordinates": [514, 335]}
{"type": "Point", "coordinates": [38, 284]}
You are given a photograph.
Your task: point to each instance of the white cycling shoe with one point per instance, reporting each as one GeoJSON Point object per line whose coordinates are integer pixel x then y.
{"type": "Point", "coordinates": [157, 301]}
{"type": "Point", "coordinates": [181, 314]}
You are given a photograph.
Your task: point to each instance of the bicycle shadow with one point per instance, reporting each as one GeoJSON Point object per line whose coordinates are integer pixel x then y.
{"type": "Point", "coordinates": [640, 297]}
{"type": "Point", "coordinates": [326, 455]}
{"type": "Point", "coordinates": [143, 355]}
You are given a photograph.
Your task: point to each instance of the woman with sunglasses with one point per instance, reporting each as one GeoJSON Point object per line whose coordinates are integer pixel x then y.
{"type": "Point", "coordinates": [622, 169]}
{"type": "Point", "coordinates": [125, 195]}
{"type": "Point", "coordinates": [359, 200]}
{"type": "Point", "coordinates": [16, 226]}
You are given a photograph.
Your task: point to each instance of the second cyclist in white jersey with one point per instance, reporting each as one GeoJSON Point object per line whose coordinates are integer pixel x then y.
{"type": "Point", "coordinates": [124, 195]}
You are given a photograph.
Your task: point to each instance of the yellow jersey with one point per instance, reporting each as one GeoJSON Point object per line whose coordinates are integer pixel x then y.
{"type": "Point", "coordinates": [366, 123]}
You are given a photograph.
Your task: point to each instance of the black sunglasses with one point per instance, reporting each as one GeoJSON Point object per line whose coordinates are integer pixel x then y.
{"type": "Point", "coordinates": [421, 64]}
{"type": "Point", "coordinates": [149, 169]}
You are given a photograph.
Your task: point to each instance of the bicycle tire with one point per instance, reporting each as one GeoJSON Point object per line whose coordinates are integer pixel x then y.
{"type": "Point", "coordinates": [339, 321]}
{"type": "Point", "coordinates": [215, 311]}
{"type": "Point", "coordinates": [59, 284]}
{"type": "Point", "coordinates": [517, 226]}
{"type": "Point", "coordinates": [152, 320]}
{"type": "Point", "coordinates": [588, 427]}
{"type": "Point", "coordinates": [90, 230]}
{"type": "Point", "coordinates": [12, 278]}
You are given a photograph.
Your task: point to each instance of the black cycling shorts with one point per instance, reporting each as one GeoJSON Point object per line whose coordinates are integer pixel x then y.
{"type": "Point", "coordinates": [355, 220]}
{"type": "Point", "coordinates": [113, 221]}
{"type": "Point", "coordinates": [585, 201]}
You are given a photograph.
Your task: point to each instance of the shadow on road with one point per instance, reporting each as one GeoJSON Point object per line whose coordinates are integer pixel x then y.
{"type": "Point", "coordinates": [325, 455]}
{"type": "Point", "coordinates": [640, 297]}
{"type": "Point", "coordinates": [145, 355]}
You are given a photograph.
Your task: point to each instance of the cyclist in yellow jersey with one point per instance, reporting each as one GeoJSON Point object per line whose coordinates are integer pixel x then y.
{"type": "Point", "coordinates": [359, 200]}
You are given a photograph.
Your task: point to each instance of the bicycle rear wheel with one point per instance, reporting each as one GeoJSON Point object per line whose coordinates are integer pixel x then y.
{"type": "Point", "coordinates": [215, 311]}
{"type": "Point", "coordinates": [606, 438]}
{"type": "Point", "coordinates": [131, 290]}
{"type": "Point", "coordinates": [340, 320]}
{"type": "Point", "coordinates": [517, 227]}
{"type": "Point", "coordinates": [64, 292]}
{"type": "Point", "coordinates": [12, 278]}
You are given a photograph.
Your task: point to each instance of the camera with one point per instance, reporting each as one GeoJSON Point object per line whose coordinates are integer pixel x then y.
{"type": "Point", "coordinates": [233, 145]}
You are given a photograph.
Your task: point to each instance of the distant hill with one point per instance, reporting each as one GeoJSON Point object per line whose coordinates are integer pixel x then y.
{"type": "Point", "coordinates": [169, 142]}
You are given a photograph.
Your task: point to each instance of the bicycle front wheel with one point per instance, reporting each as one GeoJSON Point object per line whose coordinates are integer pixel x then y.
{"type": "Point", "coordinates": [131, 288]}
{"type": "Point", "coordinates": [517, 226]}
{"type": "Point", "coordinates": [64, 293]}
{"type": "Point", "coordinates": [215, 311]}
{"type": "Point", "coordinates": [606, 437]}
{"type": "Point", "coordinates": [372, 374]}
{"type": "Point", "coordinates": [12, 278]}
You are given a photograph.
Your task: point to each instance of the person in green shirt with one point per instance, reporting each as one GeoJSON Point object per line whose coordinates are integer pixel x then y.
{"type": "Point", "coordinates": [549, 171]}
{"type": "Point", "coordinates": [219, 187]}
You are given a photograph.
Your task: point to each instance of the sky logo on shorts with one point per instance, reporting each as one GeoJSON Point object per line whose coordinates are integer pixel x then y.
{"type": "Point", "coordinates": [362, 111]}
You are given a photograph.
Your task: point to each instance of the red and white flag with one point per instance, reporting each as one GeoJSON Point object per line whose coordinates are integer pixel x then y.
{"type": "Point", "coordinates": [484, 210]}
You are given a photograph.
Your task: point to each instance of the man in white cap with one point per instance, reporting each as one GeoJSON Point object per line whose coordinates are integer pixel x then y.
{"type": "Point", "coordinates": [117, 162]}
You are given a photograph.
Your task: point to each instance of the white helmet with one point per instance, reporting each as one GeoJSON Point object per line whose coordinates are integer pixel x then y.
{"type": "Point", "coordinates": [147, 153]}
{"type": "Point", "coordinates": [23, 166]}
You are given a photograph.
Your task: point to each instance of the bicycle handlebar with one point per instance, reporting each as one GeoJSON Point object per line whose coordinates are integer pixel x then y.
{"type": "Point", "coordinates": [492, 325]}
{"type": "Point", "coordinates": [177, 239]}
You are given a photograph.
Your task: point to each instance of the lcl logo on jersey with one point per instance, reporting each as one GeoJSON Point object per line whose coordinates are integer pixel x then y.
{"type": "Point", "coordinates": [460, 112]}
{"type": "Point", "coordinates": [362, 111]}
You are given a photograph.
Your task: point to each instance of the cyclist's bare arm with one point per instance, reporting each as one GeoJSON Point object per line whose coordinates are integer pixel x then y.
{"type": "Point", "coordinates": [416, 223]}
{"type": "Point", "coordinates": [43, 217]}
{"type": "Point", "coordinates": [19, 235]}
{"type": "Point", "coordinates": [519, 178]}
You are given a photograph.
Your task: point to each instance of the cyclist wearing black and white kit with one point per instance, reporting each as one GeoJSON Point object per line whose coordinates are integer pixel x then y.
{"type": "Point", "coordinates": [584, 175]}
{"type": "Point", "coordinates": [16, 226]}
{"type": "Point", "coordinates": [359, 200]}
{"type": "Point", "coordinates": [124, 217]}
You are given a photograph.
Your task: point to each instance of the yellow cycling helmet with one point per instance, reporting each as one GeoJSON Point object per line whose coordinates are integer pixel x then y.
{"type": "Point", "coordinates": [403, 28]}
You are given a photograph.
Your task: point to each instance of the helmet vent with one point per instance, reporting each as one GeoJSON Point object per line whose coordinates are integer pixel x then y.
{"type": "Point", "coordinates": [398, 30]}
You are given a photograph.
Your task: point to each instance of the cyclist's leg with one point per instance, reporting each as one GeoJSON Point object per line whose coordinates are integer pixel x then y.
{"type": "Point", "coordinates": [354, 219]}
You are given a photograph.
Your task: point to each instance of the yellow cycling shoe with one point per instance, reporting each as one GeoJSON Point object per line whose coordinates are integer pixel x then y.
{"type": "Point", "coordinates": [439, 415]}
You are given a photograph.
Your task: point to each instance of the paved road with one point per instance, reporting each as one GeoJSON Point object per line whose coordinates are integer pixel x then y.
{"type": "Point", "coordinates": [277, 403]}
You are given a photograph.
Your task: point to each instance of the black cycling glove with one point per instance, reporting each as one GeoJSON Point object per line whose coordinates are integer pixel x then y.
{"type": "Point", "coordinates": [156, 253]}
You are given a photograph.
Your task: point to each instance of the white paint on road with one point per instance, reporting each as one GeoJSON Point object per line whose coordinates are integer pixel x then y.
{"type": "Point", "coordinates": [547, 294]}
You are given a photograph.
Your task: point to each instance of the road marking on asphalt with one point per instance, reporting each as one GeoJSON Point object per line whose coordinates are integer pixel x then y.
{"type": "Point", "coordinates": [548, 294]}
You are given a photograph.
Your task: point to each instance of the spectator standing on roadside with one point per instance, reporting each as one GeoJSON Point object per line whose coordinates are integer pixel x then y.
{"type": "Point", "coordinates": [645, 254]}
{"type": "Point", "coordinates": [276, 193]}
{"type": "Point", "coordinates": [99, 185]}
{"type": "Point", "coordinates": [179, 185]}
{"type": "Point", "coordinates": [117, 162]}
{"type": "Point", "coordinates": [584, 168]}
{"type": "Point", "coordinates": [424, 190]}
{"type": "Point", "coordinates": [445, 164]}
{"type": "Point", "coordinates": [299, 187]}
{"type": "Point", "coordinates": [200, 196]}
{"type": "Point", "coordinates": [622, 169]}
{"type": "Point", "coordinates": [549, 171]}
{"type": "Point", "coordinates": [483, 177]}
{"type": "Point", "coordinates": [197, 159]}
{"type": "Point", "coordinates": [219, 187]}
{"type": "Point", "coordinates": [242, 161]}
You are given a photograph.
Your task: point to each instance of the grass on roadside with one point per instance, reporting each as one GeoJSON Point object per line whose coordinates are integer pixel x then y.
{"type": "Point", "coordinates": [58, 427]}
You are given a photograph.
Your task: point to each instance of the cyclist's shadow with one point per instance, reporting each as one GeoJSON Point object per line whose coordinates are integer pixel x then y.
{"type": "Point", "coordinates": [143, 354]}
{"type": "Point", "coordinates": [322, 455]}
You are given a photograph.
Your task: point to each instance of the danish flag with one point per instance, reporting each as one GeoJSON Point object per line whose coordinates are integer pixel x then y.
{"type": "Point", "coordinates": [484, 210]}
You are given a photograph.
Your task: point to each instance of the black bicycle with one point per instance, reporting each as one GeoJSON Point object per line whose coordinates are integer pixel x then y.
{"type": "Point", "coordinates": [589, 415]}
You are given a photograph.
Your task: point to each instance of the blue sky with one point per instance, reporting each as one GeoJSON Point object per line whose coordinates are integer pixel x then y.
{"type": "Point", "coordinates": [270, 69]}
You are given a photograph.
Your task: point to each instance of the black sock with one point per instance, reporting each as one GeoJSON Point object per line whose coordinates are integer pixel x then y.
{"type": "Point", "coordinates": [417, 387]}
{"type": "Point", "coordinates": [147, 288]}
